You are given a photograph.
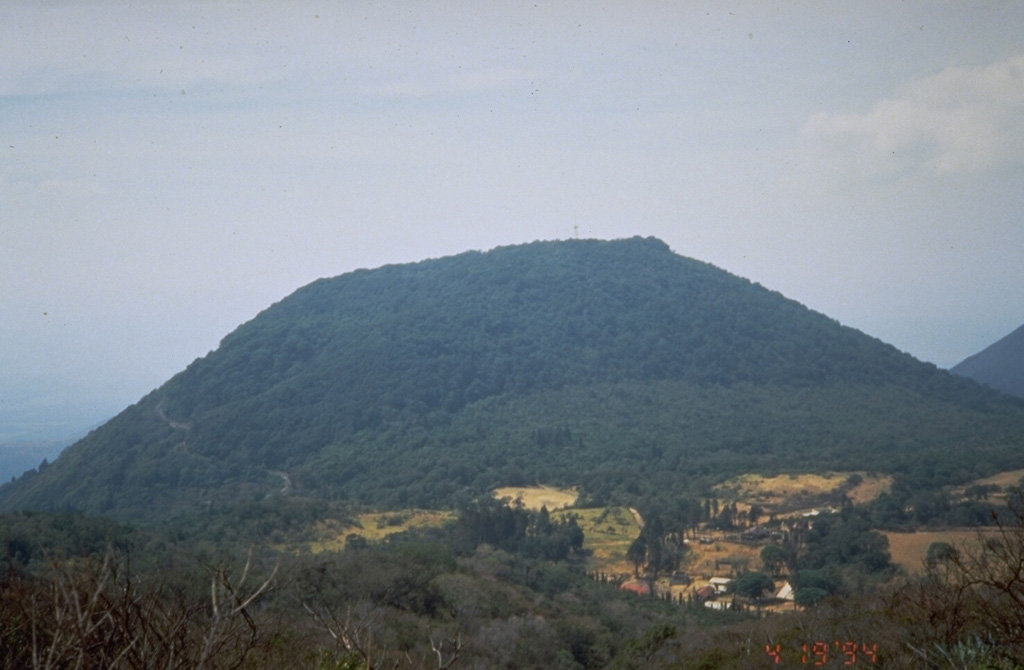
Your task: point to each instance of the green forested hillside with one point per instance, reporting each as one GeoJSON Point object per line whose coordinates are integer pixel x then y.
{"type": "Point", "coordinates": [619, 366]}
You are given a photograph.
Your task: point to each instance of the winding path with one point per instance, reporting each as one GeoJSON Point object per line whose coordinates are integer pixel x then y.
{"type": "Point", "coordinates": [177, 425]}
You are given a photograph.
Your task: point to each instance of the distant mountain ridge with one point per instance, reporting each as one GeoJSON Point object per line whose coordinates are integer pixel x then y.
{"type": "Point", "coordinates": [999, 365]}
{"type": "Point", "coordinates": [617, 366]}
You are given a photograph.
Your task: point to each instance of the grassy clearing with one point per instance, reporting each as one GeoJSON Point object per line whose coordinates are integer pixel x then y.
{"type": "Point", "coordinates": [704, 557]}
{"type": "Point", "coordinates": [787, 492]}
{"type": "Point", "coordinates": [375, 526]}
{"type": "Point", "coordinates": [535, 497]}
{"type": "Point", "coordinates": [1002, 480]}
{"type": "Point", "coordinates": [908, 549]}
{"type": "Point", "coordinates": [870, 488]}
{"type": "Point", "coordinates": [607, 534]}
{"type": "Point", "coordinates": [753, 486]}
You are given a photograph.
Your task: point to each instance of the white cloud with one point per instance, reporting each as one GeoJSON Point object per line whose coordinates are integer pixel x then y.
{"type": "Point", "coordinates": [959, 120]}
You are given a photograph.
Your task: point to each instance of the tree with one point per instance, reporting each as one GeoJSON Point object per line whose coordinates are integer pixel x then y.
{"type": "Point", "coordinates": [575, 535]}
{"type": "Point", "coordinates": [974, 492]}
{"type": "Point", "coordinates": [939, 552]}
{"type": "Point", "coordinates": [774, 558]}
{"type": "Point", "coordinates": [809, 595]}
{"type": "Point", "coordinates": [640, 652]}
{"type": "Point", "coordinates": [753, 585]}
{"type": "Point", "coordinates": [637, 554]}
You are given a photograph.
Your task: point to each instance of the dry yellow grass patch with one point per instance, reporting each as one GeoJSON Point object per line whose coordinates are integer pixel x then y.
{"type": "Point", "coordinates": [908, 549]}
{"type": "Point", "coordinates": [702, 557]}
{"type": "Point", "coordinates": [783, 489]}
{"type": "Point", "coordinates": [375, 526]}
{"type": "Point", "coordinates": [753, 486]}
{"type": "Point", "coordinates": [535, 497]}
{"type": "Point", "coordinates": [870, 488]}
{"type": "Point", "coordinates": [1003, 480]}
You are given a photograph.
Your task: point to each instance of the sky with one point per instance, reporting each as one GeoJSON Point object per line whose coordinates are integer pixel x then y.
{"type": "Point", "coordinates": [170, 168]}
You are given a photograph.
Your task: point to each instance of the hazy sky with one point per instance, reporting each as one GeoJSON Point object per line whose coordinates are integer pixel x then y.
{"type": "Point", "coordinates": [168, 169]}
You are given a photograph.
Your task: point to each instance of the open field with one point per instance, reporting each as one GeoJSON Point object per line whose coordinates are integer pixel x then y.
{"type": "Point", "coordinates": [375, 526]}
{"type": "Point", "coordinates": [788, 493]}
{"type": "Point", "coordinates": [535, 497]}
{"type": "Point", "coordinates": [607, 534]}
{"type": "Point", "coordinates": [1001, 481]}
{"type": "Point", "coordinates": [908, 549]}
{"type": "Point", "coordinates": [714, 560]}
{"type": "Point", "coordinates": [870, 488]}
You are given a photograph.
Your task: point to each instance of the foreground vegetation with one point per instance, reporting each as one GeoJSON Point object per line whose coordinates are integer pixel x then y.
{"type": "Point", "coordinates": [496, 586]}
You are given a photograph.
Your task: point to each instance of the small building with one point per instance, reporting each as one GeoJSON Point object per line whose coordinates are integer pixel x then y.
{"type": "Point", "coordinates": [720, 584]}
{"type": "Point", "coordinates": [706, 593]}
{"type": "Point", "coordinates": [637, 587]}
{"type": "Point", "coordinates": [681, 578]}
{"type": "Point", "coordinates": [755, 534]}
{"type": "Point", "coordinates": [785, 593]}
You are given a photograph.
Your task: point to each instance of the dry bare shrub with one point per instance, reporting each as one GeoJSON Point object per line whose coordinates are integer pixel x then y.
{"type": "Point", "coordinates": [972, 598]}
{"type": "Point", "coordinates": [93, 613]}
{"type": "Point", "coordinates": [356, 635]}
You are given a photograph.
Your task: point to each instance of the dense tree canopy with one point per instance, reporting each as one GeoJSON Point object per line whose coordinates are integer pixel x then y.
{"type": "Point", "coordinates": [754, 585]}
{"type": "Point", "coordinates": [619, 367]}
